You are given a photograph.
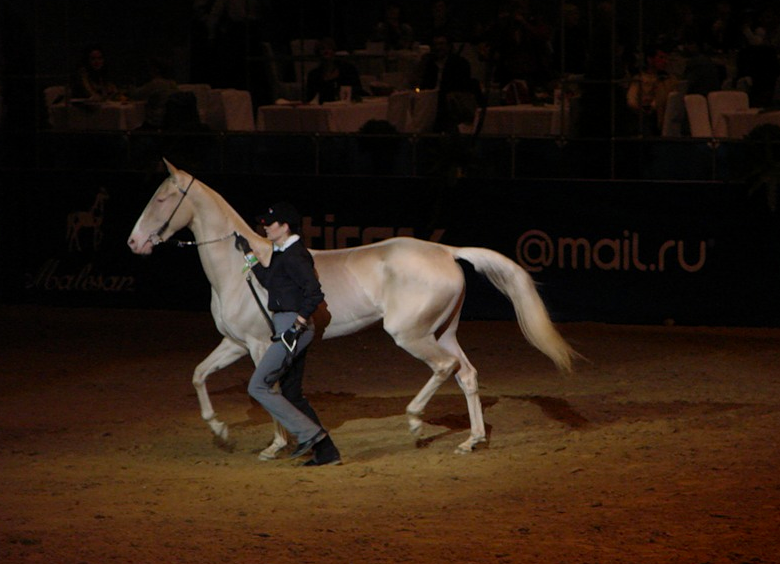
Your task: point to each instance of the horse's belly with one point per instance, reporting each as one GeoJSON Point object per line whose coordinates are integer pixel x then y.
{"type": "Point", "coordinates": [350, 300]}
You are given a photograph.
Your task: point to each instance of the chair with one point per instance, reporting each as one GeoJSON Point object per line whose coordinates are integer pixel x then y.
{"type": "Point", "coordinates": [724, 101]}
{"type": "Point", "coordinates": [398, 108]}
{"type": "Point", "coordinates": [292, 91]}
{"type": "Point", "coordinates": [516, 92]}
{"type": "Point", "coordinates": [674, 116]}
{"type": "Point", "coordinates": [230, 110]}
{"type": "Point", "coordinates": [396, 79]}
{"type": "Point", "coordinates": [423, 111]}
{"type": "Point", "coordinates": [53, 95]}
{"type": "Point", "coordinates": [202, 93]}
{"type": "Point", "coordinates": [375, 47]}
{"type": "Point", "coordinates": [698, 113]}
{"type": "Point", "coordinates": [304, 53]}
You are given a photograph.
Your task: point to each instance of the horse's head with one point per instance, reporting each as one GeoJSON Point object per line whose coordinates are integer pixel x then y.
{"type": "Point", "coordinates": [165, 214]}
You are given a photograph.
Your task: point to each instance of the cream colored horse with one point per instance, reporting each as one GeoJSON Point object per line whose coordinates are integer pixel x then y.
{"type": "Point", "coordinates": [414, 287]}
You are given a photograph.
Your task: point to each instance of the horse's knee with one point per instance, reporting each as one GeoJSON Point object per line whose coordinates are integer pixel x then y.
{"type": "Point", "coordinates": [447, 369]}
{"type": "Point", "coordinates": [468, 381]}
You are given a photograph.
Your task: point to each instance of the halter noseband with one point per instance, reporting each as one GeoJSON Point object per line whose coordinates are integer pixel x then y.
{"type": "Point", "coordinates": [156, 237]}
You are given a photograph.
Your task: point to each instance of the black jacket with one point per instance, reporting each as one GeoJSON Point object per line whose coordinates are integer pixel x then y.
{"type": "Point", "coordinates": [291, 281]}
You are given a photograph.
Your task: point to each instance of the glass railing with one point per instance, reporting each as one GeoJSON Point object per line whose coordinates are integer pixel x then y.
{"type": "Point", "coordinates": [403, 155]}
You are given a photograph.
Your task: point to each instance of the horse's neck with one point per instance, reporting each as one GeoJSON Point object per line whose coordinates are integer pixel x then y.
{"type": "Point", "coordinates": [215, 220]}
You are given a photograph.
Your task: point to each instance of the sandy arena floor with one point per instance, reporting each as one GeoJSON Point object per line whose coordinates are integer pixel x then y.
{"type": "Point", "coordinates": [662, 449]}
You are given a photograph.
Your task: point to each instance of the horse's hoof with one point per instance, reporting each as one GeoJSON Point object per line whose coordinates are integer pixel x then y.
{"type": "Point", "coordinates": [220, 429]}
{"type": "Point", "coordinates": [415, 424]}
{"type": "Point", "coordinates": [269, 453]}
{"type": "Point", "coordinates": [469, 445]}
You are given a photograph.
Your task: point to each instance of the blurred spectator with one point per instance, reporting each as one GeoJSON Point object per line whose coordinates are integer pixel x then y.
{"type": "Point", "coordinates": [723, 31]}
{"type": "Point", "coordinates": [220, 32]}
{"type": "Point", "coordinates": [758, 70]}
{"type": "Point", "coordinates": [155, 92]}
{"type": "Point", "coordinates": [451, 74]}
{"type": "Point", "coordinates": [649, 90]}
{"type": "Point", "coordinates": [392, 31]}
{"type": "Point", "coordinates": [701, 74]}
{"type": "Point", "coordinates": [761, 28]}
{"type": "Point", "coordinates": [92, 77]}
{"type": "Point", "coordinates": [186, 140]}
{"type": "Point", "coordinates": [324, 82]}
{"type": "Point", "coordinates": [680, 24]}
{"type": "Point", "coordinates": [520, 46]}
{"type": "Point", "coordinates": [570, 46]}
{"type": "Point", "coordinates": [603, 102]}
{"type": "Point", "coordinates": [440, 21]}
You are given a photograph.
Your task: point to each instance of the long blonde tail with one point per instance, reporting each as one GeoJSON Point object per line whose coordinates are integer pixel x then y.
{"type": "Point", "coordinates": [517, 285]}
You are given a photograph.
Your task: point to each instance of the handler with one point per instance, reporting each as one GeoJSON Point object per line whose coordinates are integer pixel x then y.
{"type": "Point", "coordinates": [293, 294]}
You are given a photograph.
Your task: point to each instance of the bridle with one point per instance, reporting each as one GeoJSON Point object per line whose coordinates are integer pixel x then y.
{"type": "Point", "coordinates": [156, 237]}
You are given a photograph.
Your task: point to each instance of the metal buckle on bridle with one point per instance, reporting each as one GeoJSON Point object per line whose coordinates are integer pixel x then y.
{"type": "Point", "coordinates": [156, 237]}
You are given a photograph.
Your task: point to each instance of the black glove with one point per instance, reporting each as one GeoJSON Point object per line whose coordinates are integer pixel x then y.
{"type": "Point", "coordinates": [242, 244]}
{"type": "Point", "coordinates": [290, 337]}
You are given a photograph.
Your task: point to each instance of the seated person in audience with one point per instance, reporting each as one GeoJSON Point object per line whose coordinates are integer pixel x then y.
{"type": "Point", "coordinates": [520, 46]}
{"type": "Point", "coordinates": [723, 32]}
{"type": "Point", "coordinates": [393, 32]}
{"type": "Point", "coordinates": [440, 21]}
{"type": "Point", "coordinates": [701, 74]}
{"type": "Point", "coordinates": [648, 91]}
{"type": "Point", "coordinates": [450, 74]}
{"type": "Point", "coordinates": [758, 68]}
{"type": "Point", "coordinates": [324, 82]}
{"type": "Point", "coordinates": [155, 92]}
{"type": "Point", "coordinates": [92, 78]}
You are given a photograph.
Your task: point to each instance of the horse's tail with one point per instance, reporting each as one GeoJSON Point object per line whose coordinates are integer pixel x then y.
{"type": "Point", "coordinates": [517, 285]}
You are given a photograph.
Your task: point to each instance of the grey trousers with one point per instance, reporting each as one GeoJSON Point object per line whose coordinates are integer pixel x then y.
{"type": "Point", "coordinates": [268, 368]}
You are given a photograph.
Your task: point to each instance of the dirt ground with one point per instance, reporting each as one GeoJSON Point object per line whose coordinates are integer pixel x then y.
{"type": "Point", "coordinates": [663, 448]}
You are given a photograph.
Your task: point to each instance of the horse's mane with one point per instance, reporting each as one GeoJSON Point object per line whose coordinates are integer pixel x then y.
{"type": "Point", "coordinates": [224, 206]}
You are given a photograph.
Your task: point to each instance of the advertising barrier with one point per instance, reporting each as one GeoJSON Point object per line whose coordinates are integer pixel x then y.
{"type": "Point", "coordinates": [618, 252]}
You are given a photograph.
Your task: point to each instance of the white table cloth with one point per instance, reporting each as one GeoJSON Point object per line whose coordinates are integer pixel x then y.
{"type": "Point", "coordinates": [524, 120]}
{"type": "Point", "coordinates": [331, 117]}
{"type": "Point", "coordinates": [741, 123]}
{"type": "Point", "coordinates": [115, 116]}
{"type": "Point", "coordinates": [230, 110]}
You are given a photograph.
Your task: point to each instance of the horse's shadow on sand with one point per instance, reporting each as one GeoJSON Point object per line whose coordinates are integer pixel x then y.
{"type": "Point", "coordinates": [447, 411]}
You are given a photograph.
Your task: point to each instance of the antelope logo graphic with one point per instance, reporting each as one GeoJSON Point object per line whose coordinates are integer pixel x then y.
{"type": "Point", "coordinates": [93, 219]}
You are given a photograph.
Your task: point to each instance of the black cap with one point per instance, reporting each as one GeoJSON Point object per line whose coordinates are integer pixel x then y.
{"type": "Point", "coordinates": [283, 212]}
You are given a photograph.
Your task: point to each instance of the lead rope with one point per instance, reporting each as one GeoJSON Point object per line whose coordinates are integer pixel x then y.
{"type": "Point", "coordinates": [259, 303]}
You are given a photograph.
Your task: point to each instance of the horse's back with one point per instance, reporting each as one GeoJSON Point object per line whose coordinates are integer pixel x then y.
{"type": "Point", "coordinates": [399, 276]}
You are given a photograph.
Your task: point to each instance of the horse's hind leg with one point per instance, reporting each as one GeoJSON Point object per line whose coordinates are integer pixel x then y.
{"type": "Point", "coordinates": [467, 380]}
{"type": "Point", "coordinates": [443, 364]}
{"type": "Point", "coordinates": [445, 358]}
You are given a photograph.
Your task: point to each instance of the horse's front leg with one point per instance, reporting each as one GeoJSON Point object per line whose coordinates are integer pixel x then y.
{"type": "Point", "coordinates": [227, 352]}
{"type": "Point", "coordinates": [279, 442]}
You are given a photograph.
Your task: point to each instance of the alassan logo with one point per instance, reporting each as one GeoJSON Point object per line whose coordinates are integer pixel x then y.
{"type": "Point", "coordinates": [68, 272]}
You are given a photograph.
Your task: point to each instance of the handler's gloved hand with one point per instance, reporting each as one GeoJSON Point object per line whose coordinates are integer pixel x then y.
{"type": "Point", "coordinates": [290, 337]}
{"type": "Point", "coordinates": [242, 244]}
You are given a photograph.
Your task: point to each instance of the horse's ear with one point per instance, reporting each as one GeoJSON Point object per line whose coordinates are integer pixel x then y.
{"type": "Point", "coordinates": [171, 169]}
